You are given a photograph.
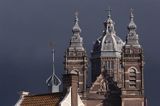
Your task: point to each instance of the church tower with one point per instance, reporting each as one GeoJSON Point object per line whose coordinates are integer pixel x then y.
{"type": "Point", "coordinates": [106, 53]}
{"type": "Point", "coordinates": [76, 57]}
{"type": "Point", "coordinates": [133, 64]}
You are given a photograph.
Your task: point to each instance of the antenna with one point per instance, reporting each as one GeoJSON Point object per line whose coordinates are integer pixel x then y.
{"type": "Point", "coordinates": [51, 45]}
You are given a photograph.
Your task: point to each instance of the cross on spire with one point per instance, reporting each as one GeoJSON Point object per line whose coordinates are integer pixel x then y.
{"type": "Point", "coordinates": [109, 12]}
{"type": "Point", "coordinates": [76, 16]}
{"type": "Point", "coordinates": [131, 13]}
{"type": "Point", "coordinates": [76, 29]}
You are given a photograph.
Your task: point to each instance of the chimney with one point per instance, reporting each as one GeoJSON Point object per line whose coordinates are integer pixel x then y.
{"type": "Point", "coordinates": [71, 80]}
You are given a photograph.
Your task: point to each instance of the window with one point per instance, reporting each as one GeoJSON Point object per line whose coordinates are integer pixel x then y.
{"type": "Point", "coordinates": [109, 67]}
{"type": "Point", "coordinates": [132, 77]}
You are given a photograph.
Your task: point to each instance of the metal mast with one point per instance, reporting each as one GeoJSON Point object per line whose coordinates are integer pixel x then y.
{"type": "Point", "coordinates": [53, 82]}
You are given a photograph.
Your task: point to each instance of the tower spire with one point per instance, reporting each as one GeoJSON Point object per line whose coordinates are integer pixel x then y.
{"type": "Point", "coordinates": [53, 82]}
{"type": "Point", "coordinates": [76, 49]}
{"type": "Point", "coordinates": [132, 38]}
{"type": "Point", "coordinates": [76, 40]}
{"type": "Point", "coordinates": [76, 29]}
{"type": "Point", "coordinates": [109, 24]}
{"type": "Point", "coordinates": [132, 25]}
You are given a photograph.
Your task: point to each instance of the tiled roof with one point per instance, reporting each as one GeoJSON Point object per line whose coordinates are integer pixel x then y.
{"type": "Point", "coordinates": [51, 99]}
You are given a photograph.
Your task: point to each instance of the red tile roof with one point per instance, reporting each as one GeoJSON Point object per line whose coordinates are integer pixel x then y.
{"type": "Point", "coordinates": [52, 99]}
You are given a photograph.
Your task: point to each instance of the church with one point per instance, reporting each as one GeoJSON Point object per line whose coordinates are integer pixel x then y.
{"type": "Point", "coordinates": [117, 75]}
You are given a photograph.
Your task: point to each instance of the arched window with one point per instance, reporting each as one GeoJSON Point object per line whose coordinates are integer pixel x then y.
{"type": "Point", "coordinates": [74, 71]}
{"type": "Point", "coordinates": [132, 77]}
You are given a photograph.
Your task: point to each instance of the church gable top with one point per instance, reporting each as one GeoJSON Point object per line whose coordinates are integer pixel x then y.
{"type": "Point", "coordinates": [99, 85]}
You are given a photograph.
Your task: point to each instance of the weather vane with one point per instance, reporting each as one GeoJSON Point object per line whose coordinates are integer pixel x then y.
{"type": "Point", "coordinates": [51, 45]}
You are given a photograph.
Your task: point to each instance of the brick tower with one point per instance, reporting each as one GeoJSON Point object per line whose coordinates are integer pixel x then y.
{"type": "Point", "coordinates": [76, 57]}
{"type": "Point", "coordinates": [133, 63]}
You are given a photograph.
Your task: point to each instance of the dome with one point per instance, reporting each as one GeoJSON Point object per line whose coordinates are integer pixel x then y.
{"type": "Point", "coordinates": [108, 43]}
{"type": "Point", "coordinates": [132, 25]}
{"type": "Point", "coordinates": [76, 28]}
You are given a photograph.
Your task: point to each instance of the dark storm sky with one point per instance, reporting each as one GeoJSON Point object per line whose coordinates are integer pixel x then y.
{"type": "Point", "coordinates": [27, 26]}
